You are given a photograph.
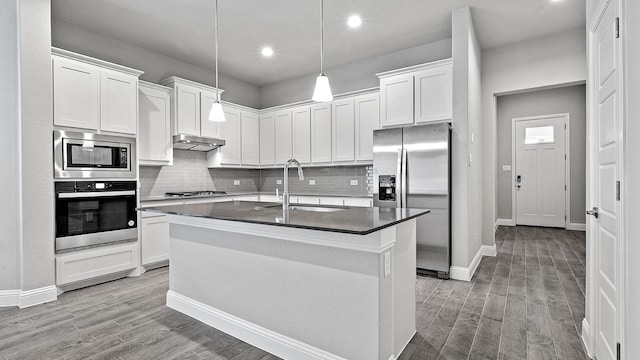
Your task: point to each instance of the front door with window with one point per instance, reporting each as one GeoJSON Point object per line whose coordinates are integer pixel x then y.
{"type": "Point", "coordinates": [540, 169]}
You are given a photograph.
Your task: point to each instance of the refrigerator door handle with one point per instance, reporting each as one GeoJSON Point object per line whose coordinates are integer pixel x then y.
{"type": "Point", "coordinates": [403, 190]}
{"type": "Point", "coordinates": [398, 178]}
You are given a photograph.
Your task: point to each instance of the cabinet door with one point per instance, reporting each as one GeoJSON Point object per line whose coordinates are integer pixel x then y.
{"type": "Point", "coordinates": [302, 134]}
{"type": "Point", "coordinates": [396, 100]}
{"type": "Point", "coordinates": [230, 132]}
{"type": "Point", "coordinates": [284, 135]}
{"type": "Point", "coordinates": [187, 110]}
{"type": "Point", "coordinates": [155, 144]}
{"type": "Point", "coordinates": [367, 120]}
{"type": "Point", "coordinates": [76, 94]}
{"type": "Point", "coordinates": [267, 139]}
{"type": "Point", "coordinates": [207, 128]}
{"type": "Point", "coordinates": [321, 133]}
{"type": "Point", "coordinates": [154, 244]}
{"type": "Point", "coordinates": [118, 102]}
{"type": "Point", "coordinates": [250, 138]}
{"type": "Point", "coordinates": [343, 124]}
{"type": "Point", "coordinates": [434, 94]}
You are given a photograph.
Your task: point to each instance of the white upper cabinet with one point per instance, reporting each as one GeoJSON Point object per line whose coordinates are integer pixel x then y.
{"type": "Point", "coordinates": [367, 119]}
{"type": "Point", "coordinates": [396, 93]}
{"type": "Point", "coordinates": [154, 134]}
{"type": "Point", "coordinates": [343, 124]}
{"type": "Point", "coordinates": [76, 94]}
{"type": "Point", "coordinates": [230, 132]}
{"type": "Point", "coordinates": [283, 132]}
{"type": "Point", "coordinates": [417, 94]}
{"type": "Point", "coordinates": [207, 128]}
{"type": "Point", "coordinates": [93, 94]}
{"type": "Point", "coordinates": [250, 138]}
{"type": "Point", "coordinates": [434, 94]}
{"type": "Point", "coordinates": [302, 134]}
{"type": "Point", "coordinates": [187, 110]}
{"type": "Point", "coordinates": [321, 133]}
{"type": "Point", "coordinates": [118, 102]}
{"type": "Point", "coordinates": [267, 139]}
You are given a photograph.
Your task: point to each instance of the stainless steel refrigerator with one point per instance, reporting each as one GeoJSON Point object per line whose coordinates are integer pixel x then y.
{"type": "Point", "coordinates": [411, 169]}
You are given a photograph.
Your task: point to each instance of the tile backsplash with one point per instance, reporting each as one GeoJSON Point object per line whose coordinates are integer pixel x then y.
{"type": "Point", "coordinates": [189, 172]}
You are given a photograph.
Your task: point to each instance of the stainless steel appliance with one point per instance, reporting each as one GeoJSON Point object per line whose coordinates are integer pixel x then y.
{"type": "Point", "coordinates": [411, 169]}
{"type": "Point", "coordinates": [196, 143]}
{"type": "Point", "coordinates": [90, 214]}
{"type": "Point", "coordinates": [87, 155]}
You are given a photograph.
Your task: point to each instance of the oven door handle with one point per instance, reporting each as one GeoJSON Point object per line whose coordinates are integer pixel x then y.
{"type": "Point", "coordinates": [76, 195]}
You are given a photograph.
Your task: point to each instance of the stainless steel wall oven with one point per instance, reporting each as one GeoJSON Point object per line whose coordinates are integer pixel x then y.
{"type": "Point", "coordinates": [87, 155]}
{"type": "Point", "coordinates": [90, 214]}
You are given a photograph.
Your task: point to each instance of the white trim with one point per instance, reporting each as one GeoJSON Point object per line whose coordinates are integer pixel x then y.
{"type": "Point", "coordinates": [586, 338]}
{"type": "Point", "coordinates": [577, 227]}
{"type": "Point", "coordinates": [96, 62]}
{"type": "Point", "coordinates": [28, 298]}
{"type": "Point", "coordinates": [366, 91]}
{"type": "Point", "coordinates": [154, 86]}
{"type": "Point", "coordinates": [465, 274]}
{"type": "Point", "coordinates": [505, 222]}
{"type": "Point", "coordinates": [268, 340]}
{"type": "Point", "coordinates": [414, 68]}
{"type": "Point", "coordinates": [567, 147]}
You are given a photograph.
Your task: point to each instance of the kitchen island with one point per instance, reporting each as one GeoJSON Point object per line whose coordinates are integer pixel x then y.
{"type": "Point", "coordinates": [311, 283]}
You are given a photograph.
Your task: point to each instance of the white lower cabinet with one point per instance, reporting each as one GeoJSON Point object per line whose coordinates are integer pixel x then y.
{"type": "Point", "coordinates": [154, 238]}
{"type": "Point", "coordinates": [92, 263]}
{"type": "Point", "coordinates": [305, 200]}
{"type": "Point", "coordinates": [358, 202]}
{"type": "Point", "coordinates": [338, 201]}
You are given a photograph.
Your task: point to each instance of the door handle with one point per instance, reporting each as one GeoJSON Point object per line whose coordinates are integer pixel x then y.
{"type": "Point", "coordinates": [593, 212]}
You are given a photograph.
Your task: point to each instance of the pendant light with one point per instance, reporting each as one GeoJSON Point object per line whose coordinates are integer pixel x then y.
{"type": "Point", "coordinates": [322, 92]}
{"type": "Point", "coordinates": [216, 113]}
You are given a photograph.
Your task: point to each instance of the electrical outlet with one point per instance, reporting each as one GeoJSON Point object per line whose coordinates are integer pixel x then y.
{"type": "Point", "coordinates": [279, 182]}
{"type": "Point", "coordinates": [236, 182]}
{"type": "Point", "coordinates": [387, 263]}
{"type": "Point", "coordinates": [354, 182]}
{"type": "Point", "coordinates": [312, 182]}
{"type": "Point", "coordinates": [506, 167]}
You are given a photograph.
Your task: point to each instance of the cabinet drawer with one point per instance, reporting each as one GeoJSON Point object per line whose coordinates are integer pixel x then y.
{"type": "Point", "coordinates": [331, 201]}
{"type": "Point", "coordinates": [359, 202]}
{"type": "Point", "coordinates": [92, 263]}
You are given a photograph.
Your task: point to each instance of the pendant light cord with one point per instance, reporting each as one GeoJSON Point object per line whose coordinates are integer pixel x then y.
{"type": "Point", "coordinates": [216, 36]}
{"type": "Point", "coordinates": [321, 35]}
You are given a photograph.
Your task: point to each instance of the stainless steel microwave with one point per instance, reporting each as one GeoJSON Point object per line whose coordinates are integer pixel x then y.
{"type": "Point", "coordinates": [91, 156]}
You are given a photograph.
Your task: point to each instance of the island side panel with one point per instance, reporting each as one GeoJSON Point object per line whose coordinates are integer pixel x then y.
{"type": "Point", "coordinates": [404, 285]}
{"type": "Point", "coordinates": [326, 297]}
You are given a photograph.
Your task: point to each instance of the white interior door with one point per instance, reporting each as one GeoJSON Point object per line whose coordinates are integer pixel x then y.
{"type": "Point", "coordinates": [605, 164]}
{"type": "Point", "coordinates": [540, 169]}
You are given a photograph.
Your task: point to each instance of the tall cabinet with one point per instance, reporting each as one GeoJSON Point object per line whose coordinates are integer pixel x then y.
{"type": "Point", "coordinates": [154, 135]}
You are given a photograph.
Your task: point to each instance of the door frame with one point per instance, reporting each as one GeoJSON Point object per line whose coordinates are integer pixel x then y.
{"type": "Point", "coordinates": [589, 325]}
{"type": "Point", "coordinates": [567, 172]}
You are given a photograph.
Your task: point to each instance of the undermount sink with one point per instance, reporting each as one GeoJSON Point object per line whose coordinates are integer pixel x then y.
{"type": "Point", "coordinates": [315, 208]}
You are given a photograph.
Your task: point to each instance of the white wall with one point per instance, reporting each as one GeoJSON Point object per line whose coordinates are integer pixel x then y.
{"type": "Point", "coordinates": [10, 175]}
{"type": "Point", "coordinates": [631, 192]}
{"type": "Point", "coordinates": [548, 61]}
{"type": "Point", "coordinates": [569, 99]}
{"type": "Point", "coordinates": [36, 144]}
{"type": "Point", "coordinates": [466, 207]}
{"type": "Point", "coordinates": [354, 76]}
{"type": "Point", "coordinates": [156, 66]}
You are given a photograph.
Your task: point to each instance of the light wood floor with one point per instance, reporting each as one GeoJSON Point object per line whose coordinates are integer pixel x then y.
{"type": "Point", "coordinates": [526, 303]}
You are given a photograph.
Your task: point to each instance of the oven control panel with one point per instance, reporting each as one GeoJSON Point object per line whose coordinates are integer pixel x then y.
{"type": "Point", "coordinates": [93, 186]}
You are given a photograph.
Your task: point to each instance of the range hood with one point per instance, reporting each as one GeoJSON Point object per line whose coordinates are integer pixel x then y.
{"type": "Point", "coordinates": [195, 143]}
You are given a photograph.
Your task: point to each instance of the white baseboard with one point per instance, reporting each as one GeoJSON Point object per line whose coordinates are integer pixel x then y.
{"type": "Point", "coordinates": [586, 338]}
{"type": "Point", "coordinates": [466, 273]}
{"type": "Point", "coordinates": [28, 298]}
{"type": "Point", "coordinates": [505, 222]}
{"type": "Point", "coordinates": [270, 341]}
{"type": "Point", "coordinates": [577, 227]}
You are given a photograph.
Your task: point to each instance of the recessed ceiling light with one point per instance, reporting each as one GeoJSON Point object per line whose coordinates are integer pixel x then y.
{"type": "Point", "coordinates": [354, 21]}
{"type": "Point", "coordinates": [267, 51]}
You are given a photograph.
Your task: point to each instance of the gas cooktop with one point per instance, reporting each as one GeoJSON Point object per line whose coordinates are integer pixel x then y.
{"type": "Point", "coordinates": [194, 193]}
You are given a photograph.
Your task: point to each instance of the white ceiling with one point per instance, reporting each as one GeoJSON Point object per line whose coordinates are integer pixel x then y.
{"type": "Point", "coordinates": [183, 29]}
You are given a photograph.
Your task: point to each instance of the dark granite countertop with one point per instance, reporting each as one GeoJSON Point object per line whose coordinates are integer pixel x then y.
{"type": "Point", "coordinates": [350, 220]}
{"type": "Point", "coordinates": [164, 198]}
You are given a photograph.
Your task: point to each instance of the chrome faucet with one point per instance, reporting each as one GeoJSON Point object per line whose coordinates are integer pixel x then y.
{"type": "Point", "coordinates": [285, 193]}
